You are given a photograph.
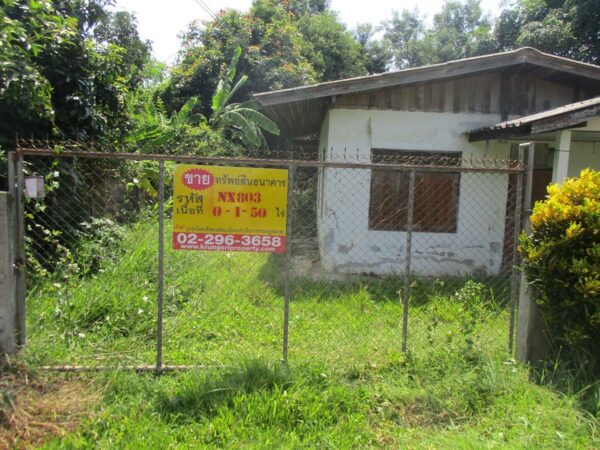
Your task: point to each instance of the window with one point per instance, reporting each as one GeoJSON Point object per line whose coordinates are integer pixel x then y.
{"type": "Point", "coordinates": [436, 193]}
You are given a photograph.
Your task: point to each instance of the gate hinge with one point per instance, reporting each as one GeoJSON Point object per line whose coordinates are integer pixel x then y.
{"type": "Point", "coordinates": [19, 265]}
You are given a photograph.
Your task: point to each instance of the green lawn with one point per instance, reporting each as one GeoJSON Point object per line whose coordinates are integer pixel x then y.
{"type": "Point", "coordinates": [347, 384]}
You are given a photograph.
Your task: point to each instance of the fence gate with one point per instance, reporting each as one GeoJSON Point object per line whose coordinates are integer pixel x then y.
{"type": "Point", "coordinates": [369, 241]}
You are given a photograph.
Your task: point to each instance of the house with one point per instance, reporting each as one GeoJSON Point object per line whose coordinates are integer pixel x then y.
{"type": "Point", "coordinates": [480, 108]}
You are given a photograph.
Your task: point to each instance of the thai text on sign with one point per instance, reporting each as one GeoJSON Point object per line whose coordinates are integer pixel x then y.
{"type": "Point", "coordinates": [229, 208]}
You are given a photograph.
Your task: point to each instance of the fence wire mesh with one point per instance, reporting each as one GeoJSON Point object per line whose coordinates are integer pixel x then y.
{"type": "Point", "coordinates": [371, 234]}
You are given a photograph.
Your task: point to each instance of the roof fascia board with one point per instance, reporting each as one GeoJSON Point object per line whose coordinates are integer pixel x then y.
{"type": "Point", "coordinates": [501, 133]}
{"type": "Point", "coordinates": [564, 65]}
{"type": "Point", "coordinates": [564, 120]}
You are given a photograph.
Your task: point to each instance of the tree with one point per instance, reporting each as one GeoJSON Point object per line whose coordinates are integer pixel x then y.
{"type": "Point", "coordinates": [272, 58]}
{"type": "Point", "coordinates": [286, 44]}
{"type": "Point", "coordinates": [459, 30]}
{"type": "Point", "coordinates": [58, 79]}
{"type": "Point", "coordinates": [330, 48]}
{"type": "Point", "coordinates": [187, 132]}
{"type": "Point", "coordinates": [376, 53]}
{"type": "Point", "coordinates": [242, 120]}
{"type": "Point", "coordinates": [569, 28]}
{"type": "Point", "coordinates": [304, 7]}
{"type": "Point", "coordinates": [404, 35]}
{"type": "Point", "coordinates": [585, 22]}
{"type": "Point", "coordinates": [120, 28]}
{"type": "Point", "coordinates": [25, 92]}
{"type": "Point", "coordinates": [506, 29]}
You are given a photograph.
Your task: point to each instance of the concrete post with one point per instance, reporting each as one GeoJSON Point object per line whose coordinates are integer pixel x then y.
{"type": "Point", "coordinates": [560, 167]}
{"type": "Point", "coordinates": [532, 344]}
{"type": "Point", "coordinates": [8, 282]}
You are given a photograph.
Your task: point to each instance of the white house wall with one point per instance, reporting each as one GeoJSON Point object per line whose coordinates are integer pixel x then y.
{"type": "Point", "coordinates": [583, 155]}
{"type": "Point", "coordinates": [345, 241]}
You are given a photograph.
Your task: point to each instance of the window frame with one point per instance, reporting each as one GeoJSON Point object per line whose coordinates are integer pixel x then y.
{"type": "Point", "coordinates": [396, 221]}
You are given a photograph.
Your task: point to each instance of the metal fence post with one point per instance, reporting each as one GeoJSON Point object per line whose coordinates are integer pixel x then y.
{"type": "Point", "coordinates": [528, 185]}
{"type": "Point", "coordinates": [12, 199]}
{"type": "Point", "coordinates": [20, 264]}
{"type": "Point", "coordinates": [514, 282]}
{"type": "Point", "coordinates": [161, 251]}
{"type": "Point", "coordinates": [288, 256]}
{"type": "Point", "coordinates": [407, 257]}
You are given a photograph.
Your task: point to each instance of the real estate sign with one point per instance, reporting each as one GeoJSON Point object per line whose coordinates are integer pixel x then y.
{"type": "Point", "coordinates": [229, 208]}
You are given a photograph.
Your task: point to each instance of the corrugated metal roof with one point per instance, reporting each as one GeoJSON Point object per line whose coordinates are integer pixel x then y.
{"type": "Point", "coordinates": [430, 72]}
{"type": "Point", "coordinates": [526, 120]}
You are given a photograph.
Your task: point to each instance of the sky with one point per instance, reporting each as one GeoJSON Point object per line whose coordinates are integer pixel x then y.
{"type": "Point", "coordinates": [161, 21]}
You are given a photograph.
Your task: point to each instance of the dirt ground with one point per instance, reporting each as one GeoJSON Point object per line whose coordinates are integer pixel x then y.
{"type": "Point", "coordinates": [35, 408]}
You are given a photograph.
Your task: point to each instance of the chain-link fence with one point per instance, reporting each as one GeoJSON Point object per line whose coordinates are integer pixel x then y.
{"type": "Point", "coordinates": [371, 237]}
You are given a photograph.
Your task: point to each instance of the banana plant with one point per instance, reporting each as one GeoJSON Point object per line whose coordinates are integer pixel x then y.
{"type": "Point", "coordinates": [160, 129]}
{"type": "Point", "coordinates": [243, 120]}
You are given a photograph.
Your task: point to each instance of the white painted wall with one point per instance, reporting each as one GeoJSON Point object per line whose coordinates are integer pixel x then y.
{"type": "Point", "coordinates": [348, 246]}
{"type": "Point", "coordinates": [583, 155]}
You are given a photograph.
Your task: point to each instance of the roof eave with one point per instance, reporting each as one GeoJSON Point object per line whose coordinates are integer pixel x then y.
{"type": "Point", "coordinates": [450, 69]}
{"type": "Point", "coordinates": [567, 120]}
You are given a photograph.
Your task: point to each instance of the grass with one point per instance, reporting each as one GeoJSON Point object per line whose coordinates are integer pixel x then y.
{"type": "Point", "coordinates": [347, 384]}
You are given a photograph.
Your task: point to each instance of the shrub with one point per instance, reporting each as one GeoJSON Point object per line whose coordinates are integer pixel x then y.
{"type": "Point", "coordinates": [562, 262]}
{"type": "Point", "coordinates": [100, 241]}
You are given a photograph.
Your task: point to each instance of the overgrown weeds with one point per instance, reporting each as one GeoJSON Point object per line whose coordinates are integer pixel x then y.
{"type": "Point", "coordinates": [347, 383]}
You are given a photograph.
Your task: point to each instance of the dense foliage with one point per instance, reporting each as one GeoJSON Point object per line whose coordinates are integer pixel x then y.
{"type": "Point", "coordinates": [459, 30]}
{"type": "Point", "coordinates": [562, 262]}
{"type": "Point", "coordinates": [66, 69]}
{"type": "Point", "coordinates": [569, 28]}
{"type": "Point", "coordinates": [274, 55]}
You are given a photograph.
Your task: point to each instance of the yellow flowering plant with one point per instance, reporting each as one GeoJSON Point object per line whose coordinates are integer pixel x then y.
{"type": "Point", "coordinates": [561, 260]}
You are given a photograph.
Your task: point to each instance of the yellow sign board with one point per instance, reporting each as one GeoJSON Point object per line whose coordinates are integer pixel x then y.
{"type": "Point", "coordinates": [229, 208]}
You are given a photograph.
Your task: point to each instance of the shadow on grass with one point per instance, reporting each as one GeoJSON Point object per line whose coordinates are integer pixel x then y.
{"type": "Point", "coordinates": [200, 394]}
{"type": "Point", "coordinates": [572, 373]}
{"type": "Point", "coordinates": [496, 289]}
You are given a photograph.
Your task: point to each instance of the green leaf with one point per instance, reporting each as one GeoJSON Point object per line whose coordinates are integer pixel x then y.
{"type": "Point", "coordinates": [247, 129]}
{"type": "Point", "coordinates": [182, 116]}
{"type": "Point", "coordinates": [218, 100]}
{"type": "Point", "coordinates": [233, 64]}
{"type": "Point", "coordinates": [259, 119]}
{"type": "Point", "coordinates": [237, 86]}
